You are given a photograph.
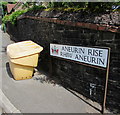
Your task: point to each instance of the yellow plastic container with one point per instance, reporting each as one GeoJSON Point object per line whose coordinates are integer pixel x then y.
{"type": "Point", "coordinates": [23, 57]}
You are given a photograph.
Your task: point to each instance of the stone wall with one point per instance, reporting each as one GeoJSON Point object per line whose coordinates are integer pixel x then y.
{"type": "Point", "coordinates": [71, 75]}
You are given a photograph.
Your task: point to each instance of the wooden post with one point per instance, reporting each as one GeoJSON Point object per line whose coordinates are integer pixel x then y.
{"type": "Point", "coordinates": [106, 83]}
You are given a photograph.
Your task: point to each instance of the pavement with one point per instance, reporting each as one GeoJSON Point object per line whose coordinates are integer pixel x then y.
{"type": "Point", "coordinates": [35, 95]}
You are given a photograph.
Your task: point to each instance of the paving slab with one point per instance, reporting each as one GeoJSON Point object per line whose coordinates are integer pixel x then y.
{"type": "Point", "coordinates": [36, 95]}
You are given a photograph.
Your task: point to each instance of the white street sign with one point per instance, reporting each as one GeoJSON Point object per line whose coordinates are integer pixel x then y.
{"type": "Point", "coordinates": [88, 55]}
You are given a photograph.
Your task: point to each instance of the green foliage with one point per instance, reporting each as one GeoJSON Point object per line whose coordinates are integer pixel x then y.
{"type": "Point", "coordinates": [65, 9]}
{"type": "Point", "coordinates": [79, 9]}
{"type": "Point", "coordinates": [62, 6]}
{"type": "Point", "coordinates": [67, 4]}
{"type": "Point", "coordinates": [26, 5]}
{"type": "Point", "coordinates": [12, 18]}
{"type": "Point", "coordinates": [74, 4]}
{"type": "Point", "coordinates": [49, 9]}
{"type": "Point", "coordinates": [73, 9]}
{"type": "Point", "coordinates": [53, 4]}
{"type": "Point", "coordinates": [14, 15]}
{"type": "Point", "coordinates": [59, 4]}
{"type": "Point", "coordinates": [3, 27]}
{"type": "Point", "coordinates": [3, 6]}
{"type": "Point", "coordinates": [4, 3]}
{"type": "Point", "coordinates": [36, 8]}
{"type": "Point", "coordinates": [90, 6]}
{"type": "Point", "coordinates": [5, 19]}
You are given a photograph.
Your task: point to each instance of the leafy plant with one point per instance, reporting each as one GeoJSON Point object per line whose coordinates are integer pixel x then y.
{"type": "Point", "coordinates": [5, 19]}
{"type": "Point", "coordinates": [12, 18]}
{"type": "Point", "coordinates": [14, 15]}
{"type": "Point", "coordinates": [4, 3]}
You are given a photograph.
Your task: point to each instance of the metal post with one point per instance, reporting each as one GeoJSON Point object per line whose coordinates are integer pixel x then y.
{"type": "Point", "coordinates": [106, 83]}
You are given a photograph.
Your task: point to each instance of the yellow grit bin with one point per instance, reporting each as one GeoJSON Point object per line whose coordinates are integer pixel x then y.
{"type": "Point", "coordinates": [23, 57]}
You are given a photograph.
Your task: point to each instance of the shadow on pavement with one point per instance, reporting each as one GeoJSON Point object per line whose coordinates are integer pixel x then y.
{"type": "Point", "coordinates": [84, 100]}
{"type": "Point", "coordinates": [8, 70]}
{"type": "Point", "coordinates": [42, 78]}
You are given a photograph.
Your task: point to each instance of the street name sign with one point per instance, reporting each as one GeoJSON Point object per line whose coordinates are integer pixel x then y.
{"type": "Point", "coordinates": [93, 56]}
